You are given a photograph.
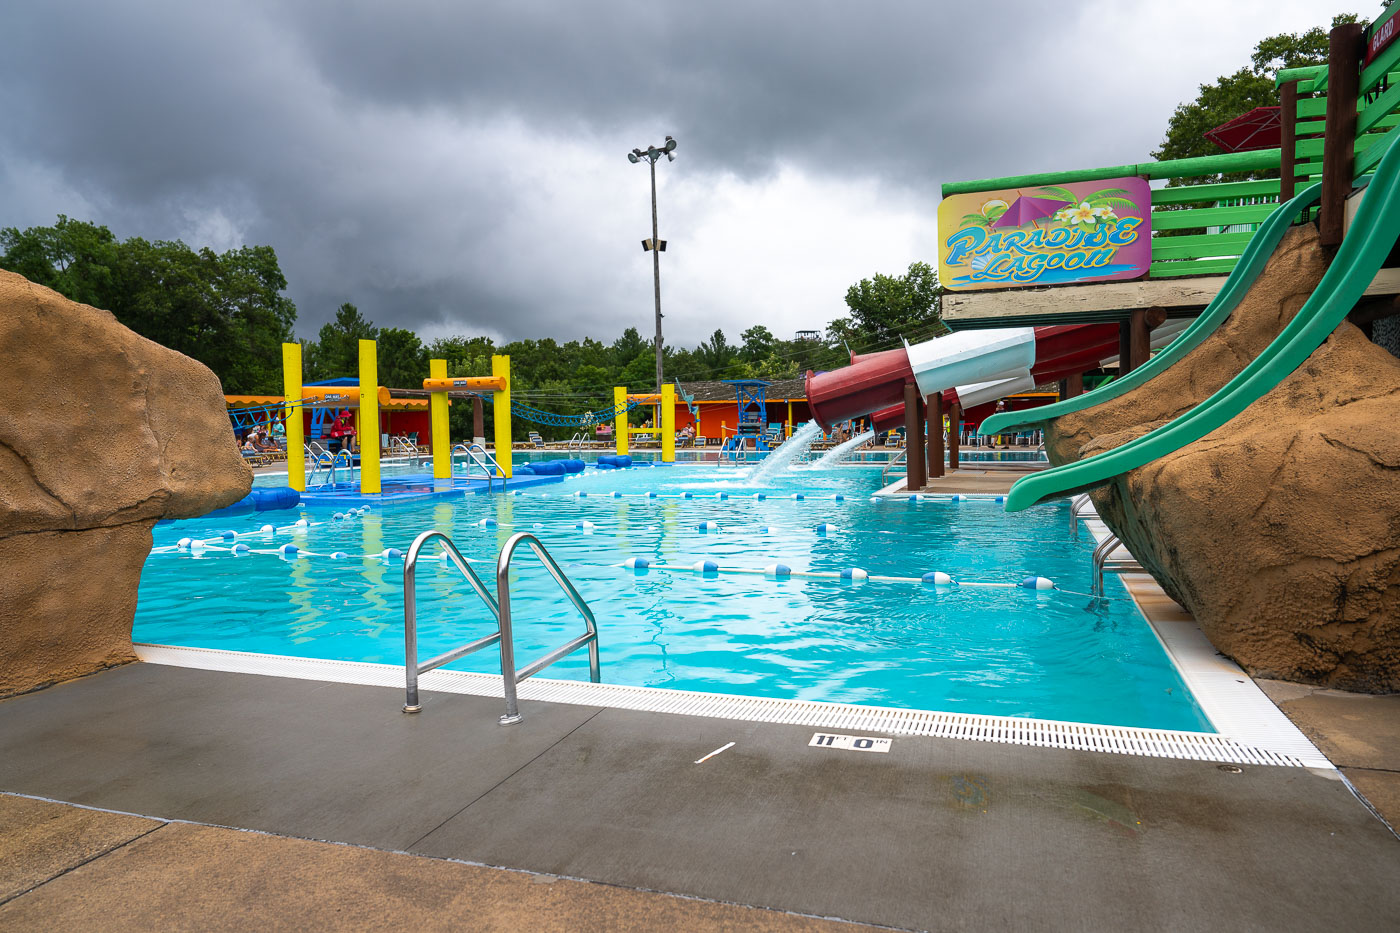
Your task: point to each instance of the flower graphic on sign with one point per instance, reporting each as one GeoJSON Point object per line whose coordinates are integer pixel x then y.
{"type": "Point", "coordinates": [1088, 210]}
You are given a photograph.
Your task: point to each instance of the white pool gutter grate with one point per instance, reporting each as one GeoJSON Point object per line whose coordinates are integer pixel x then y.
{"type": "Point", "coordinates": [1155, 743]}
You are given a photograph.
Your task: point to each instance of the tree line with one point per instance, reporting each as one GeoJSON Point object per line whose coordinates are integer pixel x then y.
{"type": "Point", "coordinates": [229, 311]}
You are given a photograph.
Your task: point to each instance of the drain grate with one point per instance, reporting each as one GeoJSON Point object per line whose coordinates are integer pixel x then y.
{"type": "Point", "coordinates": [1118, 740]}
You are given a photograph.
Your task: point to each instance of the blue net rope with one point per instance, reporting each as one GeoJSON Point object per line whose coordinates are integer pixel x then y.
{"type": "Point", "coordinates": [587, 419]}
{"type": "Point", "coordinates": [259, 415]}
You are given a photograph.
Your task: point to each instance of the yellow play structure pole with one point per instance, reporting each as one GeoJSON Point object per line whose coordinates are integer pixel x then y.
{"type": "Point", "coordinates": [369, 418]}
{"type": "Point", "coordinates": [500, 410]}
{"type": "Point", "coordinates": [296, 433]}
{"type": "Point", "coordinates": [668, 423]}
{"type": "Point", "coordinates": [437, 408]}
{"type": "Point", "coordinates": [620, 431]}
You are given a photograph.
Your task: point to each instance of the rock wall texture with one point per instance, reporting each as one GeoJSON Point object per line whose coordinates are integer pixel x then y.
{"type": "Point", "coordinates": [102, 433]}
{"type": "Point", "coordinates": [1280, 531]}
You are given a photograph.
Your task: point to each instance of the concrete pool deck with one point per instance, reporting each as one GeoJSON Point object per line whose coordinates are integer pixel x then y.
{"type": "Point", "coordinates": [934, 834]}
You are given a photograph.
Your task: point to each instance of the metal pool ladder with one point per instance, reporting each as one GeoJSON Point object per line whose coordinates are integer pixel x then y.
{"type": "Point", "coordinates": [901, 457]}
{"type": "Point", "coordinates": [483, 459]}
{"type": "Point", "coordinates": [500, 610]}
{"type": "Point", "coordinates": [1105, 562]}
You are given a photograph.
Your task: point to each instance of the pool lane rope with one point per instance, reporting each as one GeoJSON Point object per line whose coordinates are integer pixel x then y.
{"type": "Point", "coordinates": [780, 571]}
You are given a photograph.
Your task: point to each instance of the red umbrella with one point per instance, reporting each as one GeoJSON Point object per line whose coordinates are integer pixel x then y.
{"type": "Point", "coordinates": [1026, 210]}
{"type": "Point", "coordinates": [1260, 128]}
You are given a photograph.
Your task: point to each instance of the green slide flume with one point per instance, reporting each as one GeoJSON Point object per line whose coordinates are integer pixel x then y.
{"type": "Point", "coordinates": [1256, 255]}
{"type": "Point", "coordinates": [1372, 235]}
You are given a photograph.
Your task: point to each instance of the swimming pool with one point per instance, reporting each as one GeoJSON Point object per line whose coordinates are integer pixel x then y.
{"type": "Point", "coordinates": [998, 650]}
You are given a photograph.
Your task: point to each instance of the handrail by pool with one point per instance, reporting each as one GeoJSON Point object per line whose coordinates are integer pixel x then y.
{"type": "Point", "coordinates": [412, 669]}
{"type": "Point", "coordinates": [500, 610]}
{"type": "Point", "coordinates": [896, 460]}
{"type": "Point", "coordinates": [589, 637]}
{"type": "Point", "coordinates": [1077, 505]}
{"type": "Point", "coordinates": [487, 463]}
{"type": "Point", "coordinates": [1103, 562]}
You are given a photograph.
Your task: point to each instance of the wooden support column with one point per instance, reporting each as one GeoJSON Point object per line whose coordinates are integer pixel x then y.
{"type": "Point", "coordinates": [954, 435]}
{"type": "Point", "coordinates": [1344, 47]}
{"type": "Point", "coordinates": [1288, 140]}
{"type": "Point", "coordinates": [935, 434]}
{"type": "Point", "coordinates": [1074, 385]}
{"type": "Point", "coordinates": [1140, 326]}
{"type": "Point", "coordinates": [913, 440]}
{"type": "Point", "coordinates": [478, 421]}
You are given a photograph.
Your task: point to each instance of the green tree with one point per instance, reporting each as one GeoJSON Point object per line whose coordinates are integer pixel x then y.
{"type": "Point", "coordinates": [1231, 95]}
{"type": "Point", "coordinates": [403, 362]}
{"type": "Point", "coordinates": [226, 310]}
{"type": "Point", "coordinates": [336, 351]}
{"type": "Point", "coordinates": [759, 344]}
{"type": "Point", "coordinates": [886, 308]}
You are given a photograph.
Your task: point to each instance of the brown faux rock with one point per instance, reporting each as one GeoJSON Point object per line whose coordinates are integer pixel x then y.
{"type": "Point", "coordinates": [1281, 289]}
{"type": "Point", "coordinates": [1280, 531]}
{"type": "Point", "coordinates": [102, 433]}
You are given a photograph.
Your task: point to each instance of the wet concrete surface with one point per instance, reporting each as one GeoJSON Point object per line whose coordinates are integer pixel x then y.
{"type": "Point", "coordinates": [935, 834]}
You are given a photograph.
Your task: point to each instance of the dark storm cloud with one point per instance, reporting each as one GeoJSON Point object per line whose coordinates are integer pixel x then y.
{"type": "Point", "coordinates": [416, 158]}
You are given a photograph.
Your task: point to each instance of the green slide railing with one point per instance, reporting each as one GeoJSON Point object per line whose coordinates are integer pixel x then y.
{"type": "Point", "coordinates": [1242, 278]}
{"type": "Point", "coordinates": [1372, 235]}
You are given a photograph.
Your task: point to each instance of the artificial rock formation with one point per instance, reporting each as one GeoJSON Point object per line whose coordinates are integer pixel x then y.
{"type": "Point", "coordinates": [102, 433]}
{"type": "Point", "coordinates": [1280, 531]}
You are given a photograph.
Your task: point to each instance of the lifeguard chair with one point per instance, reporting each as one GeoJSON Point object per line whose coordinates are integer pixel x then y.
{"type": "Point", "coordinates": [752, 398]}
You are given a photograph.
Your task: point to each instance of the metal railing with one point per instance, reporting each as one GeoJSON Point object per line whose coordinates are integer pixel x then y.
{"type": "Point", "coordinates": [476, 454]}
{"type": "Point", "coordinates": [896, 460]}
{"type": "Point", "coordinates": [1105, 562]}
{"type": "Point", "coordinates": [500, 609]}
{"type": "Point", "coordinates": [1077, 506]}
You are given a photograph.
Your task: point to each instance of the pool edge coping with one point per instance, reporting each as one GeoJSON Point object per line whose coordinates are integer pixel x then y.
{"type": "Point", "coordinates": [1045, 733]}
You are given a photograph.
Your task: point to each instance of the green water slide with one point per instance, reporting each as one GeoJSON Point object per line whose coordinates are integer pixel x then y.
{"type": "Point", "coordinates": [1372, 235]}
{"type": "Point", "coordinates": [1242, 277]}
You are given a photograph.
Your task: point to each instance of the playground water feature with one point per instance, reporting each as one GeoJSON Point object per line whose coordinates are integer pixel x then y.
{"type": "Point", "coordinates": [1000, 650]}
{"type": "Point", "coordinates": [787, 453]}
{"type": "Point", "coordinates": [842, 450]}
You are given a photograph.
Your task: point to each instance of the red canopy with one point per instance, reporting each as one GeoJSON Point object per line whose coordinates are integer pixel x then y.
{"type": "Point", "coordinates": [1260, 128]}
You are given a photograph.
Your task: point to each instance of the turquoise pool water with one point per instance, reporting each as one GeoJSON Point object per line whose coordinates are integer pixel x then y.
{"type": "Point", "coordinates": [988, 650]}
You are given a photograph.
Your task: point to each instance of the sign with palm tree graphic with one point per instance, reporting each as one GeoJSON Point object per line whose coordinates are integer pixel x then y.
{"type": "Point", "coordinates": [1095, 231]}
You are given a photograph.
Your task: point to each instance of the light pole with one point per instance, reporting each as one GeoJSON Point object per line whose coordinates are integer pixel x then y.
{"type": "Point", "coordinates": [656, 245]}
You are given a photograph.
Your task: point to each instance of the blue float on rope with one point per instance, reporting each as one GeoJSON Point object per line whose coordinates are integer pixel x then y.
{"type": "Point", "coordinates": [853, 574]}
{"type": "Point", "coordinates": [937, 578]}
{"type": "Point", "coordinates": [636, 563]}
{"type": "Point", "coordinates": [1037, 583]}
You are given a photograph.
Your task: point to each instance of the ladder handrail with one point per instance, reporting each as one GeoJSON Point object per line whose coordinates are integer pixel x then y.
{"type": "Point", "coordinates": [1077, 505]}
{"type": "Point", "coordinates": [901, 457]}
{"type": "Point", "coordinates": [589, 637]}
{"type": "Point", "coordinates": [499, 607]}
{"type": "Point", "coordinates": [1103, 561]}
{"type": "Point", "coordinates": [412, 669]}
{"type": "Point", "coordinates": [488, 463]}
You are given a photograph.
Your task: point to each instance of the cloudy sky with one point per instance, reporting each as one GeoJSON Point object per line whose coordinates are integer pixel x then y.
{"type": "Point", "coordinates": [460, 167]}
